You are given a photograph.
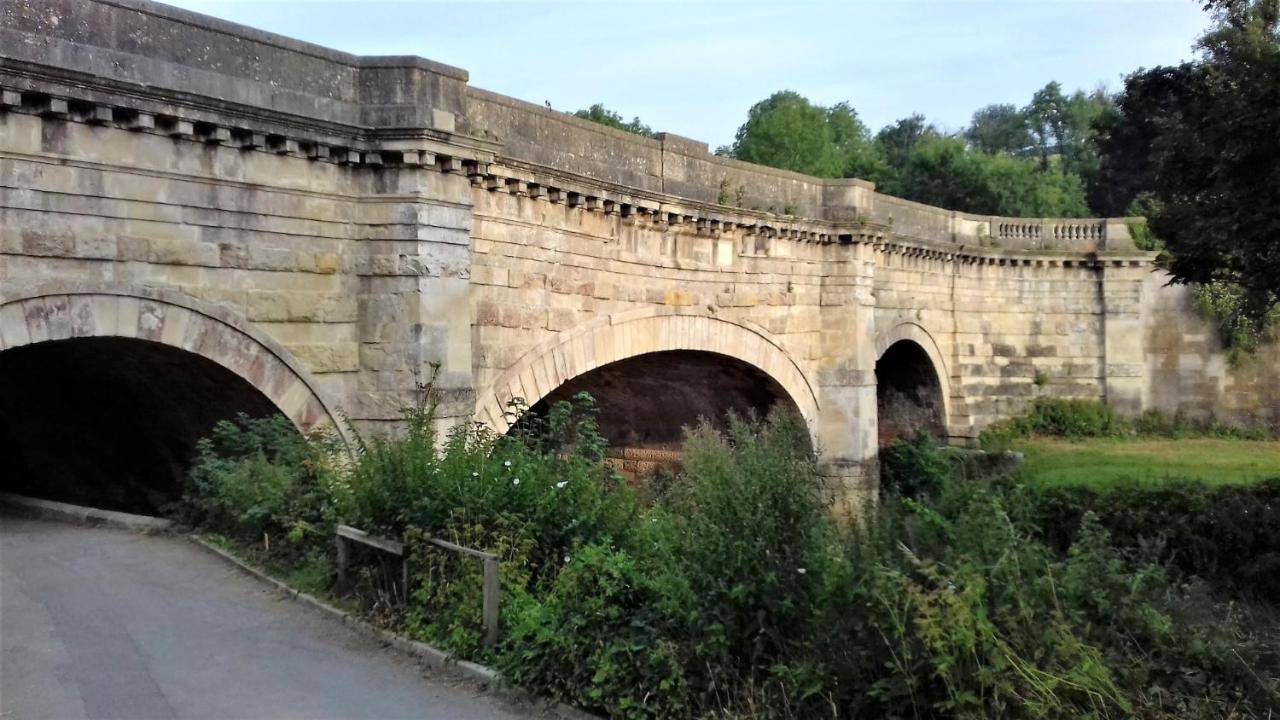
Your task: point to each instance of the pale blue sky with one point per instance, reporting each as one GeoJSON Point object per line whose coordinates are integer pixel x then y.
{"type": "Point", "coordinates": [695, 67]}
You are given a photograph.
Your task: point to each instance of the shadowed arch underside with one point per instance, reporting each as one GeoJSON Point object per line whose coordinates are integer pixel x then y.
{"type": "Point", "coordinates": [909, 396]}
{"type": "Point", "coordinates": [646, 401]}
{"type": "Point", "coordinates": [569, 355]}
{"type": "Point", "coordinates": [103, 397]}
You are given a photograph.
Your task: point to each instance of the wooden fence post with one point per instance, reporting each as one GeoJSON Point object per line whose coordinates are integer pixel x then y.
{"type": "Point", "coordinates": [492, 591]}
{"type": "Point", "coordinates": [344, 558]}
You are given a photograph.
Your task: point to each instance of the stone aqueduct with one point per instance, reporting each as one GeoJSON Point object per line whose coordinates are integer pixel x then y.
{"type": "Point", "coordinates": [197, 217]}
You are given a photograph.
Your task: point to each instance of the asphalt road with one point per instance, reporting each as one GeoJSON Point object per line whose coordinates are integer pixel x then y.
{"type": "Point", "coordinates": [98, 623]}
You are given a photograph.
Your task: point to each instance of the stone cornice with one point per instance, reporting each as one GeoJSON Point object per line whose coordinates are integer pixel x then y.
{"type": "Point", "coordinates": [474, 157]}
{"type": "Point", "coordinates": [244, 128]}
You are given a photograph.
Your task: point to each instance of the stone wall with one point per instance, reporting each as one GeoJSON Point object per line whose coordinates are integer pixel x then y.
{"type": "Point", "coordinates": [1186, 370]}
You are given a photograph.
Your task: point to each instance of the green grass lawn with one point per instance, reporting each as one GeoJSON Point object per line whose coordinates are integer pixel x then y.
{"type": "Point", "coordinates": [1101, 463]}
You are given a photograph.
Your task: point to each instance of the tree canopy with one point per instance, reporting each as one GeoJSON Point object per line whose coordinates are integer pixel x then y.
{"type": "Point", "coordinates": [999, 128]}
{"type": "Point", "coordinates": [1199, 144]}
{"type": "Point", "coordinates": [914, 159]}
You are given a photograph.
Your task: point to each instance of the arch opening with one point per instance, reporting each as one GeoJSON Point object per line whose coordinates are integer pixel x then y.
{"type": "Point", "coordinates": [909, 396]}
{"type": "Point", "coordinates": [111, 422]}
{"type": "Point", "coordinates": [646, 401]}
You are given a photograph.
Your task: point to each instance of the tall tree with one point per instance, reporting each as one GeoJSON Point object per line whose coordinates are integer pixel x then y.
{"type": "Point", "coordinates": [943, 171]}
{"type": "Point", "coordinates": [999, 128]}
{"type": "Point", "coordinates": [1078, 143]}
{"type": "Point", "coordinates": [899, 139]}
{"type": "Point", "coordinates": [1204, 139]}
{"type": "Point", "coordinates": [1046, 119]}
{"type": "Point", "coordinates": [856, 153]}
{"type": "Point", "coordinates": [787, 131]}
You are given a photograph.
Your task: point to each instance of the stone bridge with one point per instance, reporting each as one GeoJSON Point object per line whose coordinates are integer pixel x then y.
{"type": "Point", "coordinates": [199, 218]}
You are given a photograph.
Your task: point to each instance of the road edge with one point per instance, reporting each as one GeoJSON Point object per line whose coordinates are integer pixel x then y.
{"type": "Point", "coordinates": [487, 678]}
{"type": "Point", "coordinates": [52, 510]}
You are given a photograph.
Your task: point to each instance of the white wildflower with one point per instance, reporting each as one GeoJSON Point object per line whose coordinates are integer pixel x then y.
{"type": "Point", "coordinates": [475, 474]}
{"type": "Point", "coordinates": [506, 463]}
{"type": "Point", "coordinates": [560, 485]}
{"type": "Point", "coordinates": [801, 570]}
{"type": "Point", "coordinates": [515, 481]}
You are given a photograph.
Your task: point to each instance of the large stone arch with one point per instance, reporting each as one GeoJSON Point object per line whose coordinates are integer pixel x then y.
{"type": "Point", "coordinates": [923, 339]}
{"type": "Point", "coordinates": [62, 312]}
{"type": "Point", "coordinates": [618, 337]}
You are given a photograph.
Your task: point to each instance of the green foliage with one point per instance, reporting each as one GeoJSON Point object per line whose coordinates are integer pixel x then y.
{"type": "Point", "coordinates": [748, 522]}
{"type": "Point", "coordinates": [600, 114]}
{"type": "Point", "coordinates": [901, 138]}
{"type": "Point", "coordinates": [999, 129]}
{"type": "Point", "coordinates": [1227, 535]}
{"type": "Point", "coordinates": [1225, 304]}
{"type": "Point", "coordinates": [1076, 419]}
{"type": "Point", "coordinates": [259, 476]}
{"type": "Point", "coordinates": [787, 131]}
{"type": "Point", "coordinates": [1062, 126]}
{"type": "Point", "coordinates": [1145, 205]}
{"type": "Point", "coordinates": [724, 197]}
{"type": "Point", "coordinates": [1056, 417]}
{"type": "Point", "coordinates": [944, 172]}
{"type": "Point", "coordinates": [1143, 238]}
{"type": "Point", "coordinates": [600, 639]}
{"type": "Point", "coordinates": [1200, 138]}
{"type": "Point", "coordinates": [988, 174]}
{"type": "Point", "coordinates": [912, 468]}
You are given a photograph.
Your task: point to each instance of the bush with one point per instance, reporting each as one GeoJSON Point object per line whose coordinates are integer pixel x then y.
{"type": "Point", "coordinates": [600, 640]}
{"type": "Point", "coordinates": [548, 481]}
{"type": "Point", "coordinates": [1229, 535]}
{"type": "Point", "coordinates": [1222, 303]}
{"type": "Point", "coordinates": [1079, 419]}
{"type": "Point", "coordinates": [915, 467]}
{"type": "Point", "coordinates": [749, 521]}
{"type": "Point", "coordinates": [260, 477]}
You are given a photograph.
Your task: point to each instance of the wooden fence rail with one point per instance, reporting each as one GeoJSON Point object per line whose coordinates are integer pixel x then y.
{"type": "Point", "coordinates": [346, 534]}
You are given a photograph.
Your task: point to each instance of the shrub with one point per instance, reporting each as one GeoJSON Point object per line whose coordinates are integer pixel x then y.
{"type": "Point", "coordinates": [448, 591]}
{"type": "Point", "coordinates": [910, 468]}
{"type": "Point", "coordinates": [548, 478]}
{"type": "Point", "coordinates": [750, 519]}
{"type": "Point", "coordinates": [1222, 303]}
{"type": "Point", "coordinates": [1229, 535]}
{"type": "Point", "coordinates": [256, 477]}
{"type": "Point", "coordinates": [1078, 419]}
{"type": "Point", "coordinates": [599, 640]}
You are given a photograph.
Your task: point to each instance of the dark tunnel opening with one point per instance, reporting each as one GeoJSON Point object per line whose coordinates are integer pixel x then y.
{"type": "Point", "coordinates": [908, 394]}
{"type": "Point", "coordinates": [645, 402]}
{"type": "Point", "coordinates": [111, 422]}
